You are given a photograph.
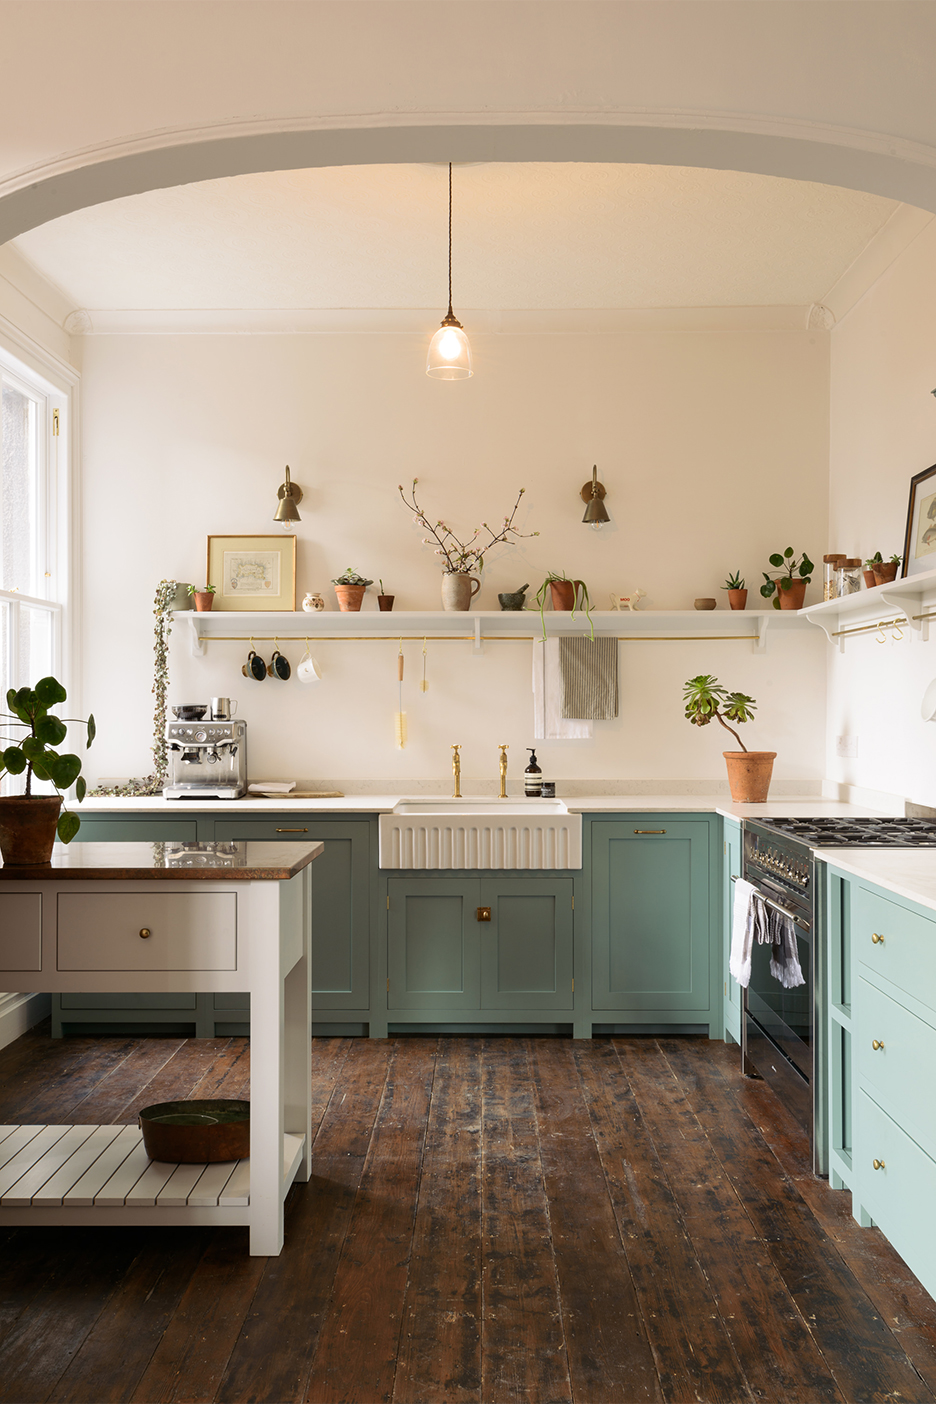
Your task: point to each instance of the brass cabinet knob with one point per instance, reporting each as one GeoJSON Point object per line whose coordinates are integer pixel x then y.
{"type": "Point", "coordinates": [292, 831]}
{"type": "Point", "coordinates": [876, 940]}
{"type": "Point", "coordinates": [879, 1165]}
{"type": "Point", "coordinates": [145, 932]}
{"type": "Point", "coordinates": [484, 914]}
{"type": "Point", "coordinates": [876, 1044]}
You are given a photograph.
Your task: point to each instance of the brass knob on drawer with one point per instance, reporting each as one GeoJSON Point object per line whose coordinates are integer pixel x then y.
{"type": "Point", "coordinates": [879, 1165]}
{"type": "Point", "coordinates": [876, 940]}
{"type": "Point", "coordinates": [145, 932]}
{"type": "Point", "coordinates": [876, 1044]}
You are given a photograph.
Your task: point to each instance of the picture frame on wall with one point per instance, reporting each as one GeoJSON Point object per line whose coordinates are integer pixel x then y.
{"type": "Point", "coordinates": [919, 552]}
{"type": "Point", "coordinates": [253, 572]}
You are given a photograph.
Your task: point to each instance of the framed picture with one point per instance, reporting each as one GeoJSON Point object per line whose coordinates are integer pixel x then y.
{"type": "Point", "coordinates": [919, 552]}
{"type": "Point", "coordinates": [252, 572]}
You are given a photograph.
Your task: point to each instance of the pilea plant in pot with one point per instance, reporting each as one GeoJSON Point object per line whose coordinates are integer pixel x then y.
{"type": "Point", "coordinates": [749, 772]}
{"type": "Point", "coordinates": [790, 589]}
{"type": "Point", "coordinates": [564, 594]}
{"type": "Point", "coordinates": [29, 823]}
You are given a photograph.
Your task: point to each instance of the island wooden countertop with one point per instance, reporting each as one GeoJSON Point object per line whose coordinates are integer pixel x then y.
{"type": "Point", "coordinates": [181, 860]}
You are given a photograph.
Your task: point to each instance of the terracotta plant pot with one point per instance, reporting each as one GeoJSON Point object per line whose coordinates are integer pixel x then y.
{"type": "Point", "coordinates": [350, 597]}
{"type": "Point", "coordinates": [27, 828]}
{"type": "Point", "coordinates": [869, 579]}
{"type": "Point", "coordinates": [204, 599]}
{"type": "Point", "coordinates": [885, 573]}
{"type": "Point", "coordinates": [385, 602]}
{"type": "Point", "coordinates": [749, 775]}
{"type": "Point", "coordinates": [794, 597]}
{"type": "Point", "coordinates": [737, 599]}
{"type": "Point", "coordinates": [459, 590]}
{"type": "Point", "coordinates": [565, 593]}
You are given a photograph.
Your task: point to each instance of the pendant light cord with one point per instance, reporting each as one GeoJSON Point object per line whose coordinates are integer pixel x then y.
{"type": "Point", "coordinates": [450, 312]}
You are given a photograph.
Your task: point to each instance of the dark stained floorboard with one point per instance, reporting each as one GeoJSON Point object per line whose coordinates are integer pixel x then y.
{"type": "Point", "coordinates": [489, 1220]}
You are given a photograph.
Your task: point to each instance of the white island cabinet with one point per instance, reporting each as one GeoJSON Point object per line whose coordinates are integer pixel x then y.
{"type": "Point", "coordinates": [238, 923]}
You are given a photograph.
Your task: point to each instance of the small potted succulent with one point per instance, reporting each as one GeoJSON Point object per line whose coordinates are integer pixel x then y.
{"type": "Point", "coordinates": [749, 772]}
{"type": "Point", "coordinates": [384, 602]}
{"type": "Point", "coordinates": [882, 572]}
{"type": "Point", "coordinates": [29, 823]}
{"type": "Point", "coordinates": [737, 594]}
{"type": "Point", "coordinates": [203, 595]}
{"type": "Point", "coordinates": [350, 589]}
{"type": "Point", "coordinates": [789, 590]}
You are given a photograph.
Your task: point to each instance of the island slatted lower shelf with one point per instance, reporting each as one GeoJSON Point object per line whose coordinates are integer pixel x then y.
{"type": "Point", "coordinates": [102, 1174]}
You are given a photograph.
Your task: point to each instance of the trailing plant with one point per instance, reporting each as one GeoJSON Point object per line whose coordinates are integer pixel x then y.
{"type": "Point", "coordinates": [706, 701]}
{"type": "Point", "coordinates": [579, 591]}
{"type": "Point", "coordinates": [734, 582]}
{"type": "Point", "coordinates": [462, 557]}
{"type": "Point", "coordinates": [35, 753]}
{"type": "Point", "coordinates": [789, 565]}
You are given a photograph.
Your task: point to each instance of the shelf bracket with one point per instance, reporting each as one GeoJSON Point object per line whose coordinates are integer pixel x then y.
{"type": "Point", "coordinates": [825, 623]}
{"type": "Point", "coordinates": [903, 604]}
{"type": "Point", "coordinates": [478, 646]}
{"type": "Point", "coordinates": [760, 643]}
{"type": "Point", "coordinates": [195, 638]}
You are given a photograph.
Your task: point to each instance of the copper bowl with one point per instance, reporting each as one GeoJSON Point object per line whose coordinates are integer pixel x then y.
{"type": "Point", "coordinates": [190, 1133]}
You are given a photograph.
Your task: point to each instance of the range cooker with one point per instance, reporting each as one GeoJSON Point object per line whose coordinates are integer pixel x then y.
{"type": "Point", "coordinates": [778, 1026]}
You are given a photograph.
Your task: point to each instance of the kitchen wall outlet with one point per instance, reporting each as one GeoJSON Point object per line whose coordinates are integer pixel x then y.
{"type": "Point", "coordinates": [846, 746]}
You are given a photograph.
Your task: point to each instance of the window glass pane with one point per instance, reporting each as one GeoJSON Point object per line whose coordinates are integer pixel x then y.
{"type": "Point", "coordinates": [35, 644]}
{"type": "Point", "coordinates": [18, 493]}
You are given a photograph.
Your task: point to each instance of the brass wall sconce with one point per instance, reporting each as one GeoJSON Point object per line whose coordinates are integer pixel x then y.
{"type": "Point", "coordinates": [593, 494]}
{"type": "Point", "coordinates": [290, 495]}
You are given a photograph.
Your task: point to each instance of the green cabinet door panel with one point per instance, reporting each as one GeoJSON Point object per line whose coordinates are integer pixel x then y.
{"type": "Point", "coordinates": [650, 915]}
{"type": "Point", "coordinates": [731, 869]}
{"type": "Point", "coordinates": [433, 943]}
{"type": "Point", "coordinates": [526, 947]}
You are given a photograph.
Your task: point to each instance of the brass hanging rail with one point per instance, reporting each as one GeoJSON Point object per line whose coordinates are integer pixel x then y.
{"type": "Point", "coordinates": [470, 638]}
{"type": "Point", "coordinates": [930, 615]}
{"type": "Point", "coordinates": [869, 628]}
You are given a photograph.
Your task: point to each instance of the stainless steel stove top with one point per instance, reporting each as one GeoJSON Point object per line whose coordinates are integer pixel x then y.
{"type": "Point", "coordinates": [853, 833]}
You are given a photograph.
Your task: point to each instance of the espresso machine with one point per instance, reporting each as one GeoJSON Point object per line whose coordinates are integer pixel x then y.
{"type": "Point", "coordinates": [207, 757]}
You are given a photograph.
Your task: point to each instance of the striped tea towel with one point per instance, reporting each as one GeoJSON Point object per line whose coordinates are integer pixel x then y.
{"type": "Point", "coordinates": [588, 669]}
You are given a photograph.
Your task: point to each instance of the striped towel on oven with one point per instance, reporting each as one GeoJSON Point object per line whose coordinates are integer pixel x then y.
{"type": "Point", "coordinates": [588, 669]}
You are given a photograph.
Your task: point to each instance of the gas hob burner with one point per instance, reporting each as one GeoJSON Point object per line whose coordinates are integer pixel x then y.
{"type": "Point", "coordinates": [844, 832]}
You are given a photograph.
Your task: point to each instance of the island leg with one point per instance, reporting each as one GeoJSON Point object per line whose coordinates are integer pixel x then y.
{"type": "Point", "coordinates": [266, 1070]}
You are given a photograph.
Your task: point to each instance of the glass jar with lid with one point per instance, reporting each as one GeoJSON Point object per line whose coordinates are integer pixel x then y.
{"type": "Point", "coordinates": [848, 576]}
{"type": "Point", "coordinates": [830, 565]}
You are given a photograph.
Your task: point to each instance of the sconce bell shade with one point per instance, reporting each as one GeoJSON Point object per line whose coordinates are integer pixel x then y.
{"type": "Point", "coordinates": [593, 494]}
{"type": "Point", "coordinates": [449, 352]}
{"type": "Point", "coordinates": [289, 494]}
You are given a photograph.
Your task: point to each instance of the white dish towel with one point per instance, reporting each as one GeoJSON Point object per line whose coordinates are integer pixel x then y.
{"type": "Point", "coordinates": [747, 914]}
{"type": "Point", "coordinates": [548, 722]}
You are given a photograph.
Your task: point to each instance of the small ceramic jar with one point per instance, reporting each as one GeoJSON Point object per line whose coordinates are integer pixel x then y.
{"type": "Point", "coordinates": [313, 603]}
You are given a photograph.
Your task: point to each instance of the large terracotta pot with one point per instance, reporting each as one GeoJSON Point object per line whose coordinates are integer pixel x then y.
{"type": "Point", "coordinates": [564, 593]}
{"type": "Point", "coordinates": [794, 597]}
{"type": "Point", "coordinates": [27, 828]}
{"type": "Point", "coordinates": [459, 590]}
{"type": "Point", "coordinates": [737, 599]}
{"type": "Point", "coordinates": [886, 572]}
{"type": "Point", "coordinates": [350, 597]}
{"type": "Point", "coordinates": [749, 775]}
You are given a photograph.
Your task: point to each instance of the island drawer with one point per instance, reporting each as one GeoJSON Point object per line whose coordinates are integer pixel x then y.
{"type": "Point", "coordinates": [896, 944]}
{"type": "Point", "coordinates": [184, 931]}
{"type": "Point", "coordinates": [892, 1047]}
{"type": "Point", "coordinates": [895, 1184]}
{"type": "Point", "coordinates": [20, 931]}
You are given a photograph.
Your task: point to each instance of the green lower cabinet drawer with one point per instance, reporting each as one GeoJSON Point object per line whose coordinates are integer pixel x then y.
{"type": "Point", "coordinates": [893, 1048]}
{"type": "Point", "coordinates": [894, 943]}
{"type": "Point", "coordinates": [137, 830]}
{"type": "Point", "coordinates": [895, 1185]}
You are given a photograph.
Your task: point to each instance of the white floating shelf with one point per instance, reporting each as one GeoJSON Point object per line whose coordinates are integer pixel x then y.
{"type": "Point", "coordinates": [483, 626]}
{"type": "Point", "coordinates": [912, 600]}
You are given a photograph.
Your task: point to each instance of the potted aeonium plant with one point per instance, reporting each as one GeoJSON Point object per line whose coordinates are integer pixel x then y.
{"type": "Point", "coordinates": [749, 772]}
{"type": "Point", "coordinates": [29, 823]}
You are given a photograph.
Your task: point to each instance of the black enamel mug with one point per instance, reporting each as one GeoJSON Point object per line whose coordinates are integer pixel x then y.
{"type": "Point", "coordinates": [254, 667]}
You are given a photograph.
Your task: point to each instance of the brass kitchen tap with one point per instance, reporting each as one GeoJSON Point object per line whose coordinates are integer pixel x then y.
{"type": "Point", "coordinates": [456, 771]}
{"type": "Point", "coordinates": [503, 769]}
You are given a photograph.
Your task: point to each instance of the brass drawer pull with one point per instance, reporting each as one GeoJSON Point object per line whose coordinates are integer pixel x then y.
{"type": "Point", "coordinates": [879, 1165]}
{"type": "Point", "coordinates": [876, 940]}
{"type": "Point", "coordinates": [292, 831]}
{"type": "Point", "coordinates": [145, 933]}
{"type": "Point", "coordinates": [876, 1044]}
{"type": "Point", "coordinates": [484, 914]}
{"type": "Point", "coordinates": [649, 831]}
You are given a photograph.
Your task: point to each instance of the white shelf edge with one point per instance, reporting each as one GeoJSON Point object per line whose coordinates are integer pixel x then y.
{"type": "Point", "coordinates": [903, 597]}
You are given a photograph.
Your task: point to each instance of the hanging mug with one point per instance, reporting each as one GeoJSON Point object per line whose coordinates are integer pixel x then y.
{"type": "Point", "coordinates": [254, 667]}
{"type": "Point", "coordinates": [308, 669]}
{"type": "Point", "coordinates": [278, 667]}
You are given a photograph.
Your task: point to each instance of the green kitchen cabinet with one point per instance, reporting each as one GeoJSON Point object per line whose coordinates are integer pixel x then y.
{"type": "Point", "coordinates": [469, 948]}
{"type": "Point", "coordinates": [653, 909]}
{"type": "Point", "coordinates": [732, 859]}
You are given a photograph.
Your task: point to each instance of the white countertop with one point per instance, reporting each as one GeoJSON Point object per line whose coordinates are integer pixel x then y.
{"type": "Point", "coordinates": [907, 872]}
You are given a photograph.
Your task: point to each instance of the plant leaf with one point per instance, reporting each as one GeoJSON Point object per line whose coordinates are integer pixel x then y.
{"type": "Point", "coordinates": [776, 559]}
{"type": "Point", "coordinates": [49, 691]}
{"type": "Point", "coordinates": [51, 730]}
{"type": "Point", "coordinates": [64, 770]}
{"type": "Point", "coordinates": [81, 788]}
{"type": "Point", "coordinates": [92, 731]}
{"type": "Point", "coordinates": [32, 748]}
{"type": "Point", "coordinates": [68, 826]}
{"type": "Point", "coordinates": [14, 760]}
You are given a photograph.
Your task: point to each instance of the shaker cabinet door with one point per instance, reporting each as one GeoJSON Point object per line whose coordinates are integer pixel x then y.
{"type": "Point", "coordinates": [433, 945]}
{"type": "Point", "coordinates": [526, 947]}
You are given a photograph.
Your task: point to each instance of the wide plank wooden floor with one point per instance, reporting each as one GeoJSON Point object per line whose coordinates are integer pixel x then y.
{"type": "Point", "coordinates": [490, 1220]}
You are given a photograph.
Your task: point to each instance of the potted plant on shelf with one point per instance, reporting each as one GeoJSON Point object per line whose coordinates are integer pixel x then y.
{"type": "Point", "coordinates": [29, 823]}
{"type": "Point", "coordinates": [384, 602]}
{"type": "Point", "coordinates": [737, 595]}
{"type": "Point", "coordinates": [462, 558]}
{"type": "Point", "coordinates": [203, 595]}
{"type": "Point", "coordinates": [882, 572]}
{"type": "Point", "coordinates": [790, 589]}
{"type": "Point", "coordinates": [564, 594]}
{"type": "Point", "coordinates": [350, 589]}
{"type": "Point", "coordinates": [749, 772]}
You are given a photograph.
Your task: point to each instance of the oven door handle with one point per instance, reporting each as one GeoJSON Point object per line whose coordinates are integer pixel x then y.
{"type": "Point", "coordinates": [768, 902]}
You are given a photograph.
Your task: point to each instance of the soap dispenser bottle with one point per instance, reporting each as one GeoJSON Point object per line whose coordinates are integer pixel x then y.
{"type": "Point", "coordinates": [532, 777]}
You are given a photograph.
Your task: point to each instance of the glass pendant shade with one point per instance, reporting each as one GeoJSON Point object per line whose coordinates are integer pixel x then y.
{"type": "Point", "coordinates": [449, 352]}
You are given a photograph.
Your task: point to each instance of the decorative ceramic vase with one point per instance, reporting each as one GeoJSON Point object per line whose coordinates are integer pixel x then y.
{"type": "Point", "coordinates": [350, 597]}
{"type": "Point", "coordinates": [885, 572]}
{"type": "Point", "coordinates": [204, 599]}
{"type": "Point", "coordinates": [737, 599]}
{"type": "Point", "coordinates": [749, 775]}
{"type": "Point", "coordinates": [794, 597]}
{"type": "Point", "coordinates": [706, 604]}
{"type": "Point", "coordinates": [313, 603]}
{"type": "Point", "coordinates": [459, 590]}
{"type": "Point", "coordinates": [27, 828]}
{"type": "Point", "coordinates": [385, 603]}
{"type": "Point", "coordinates": [564, 593]}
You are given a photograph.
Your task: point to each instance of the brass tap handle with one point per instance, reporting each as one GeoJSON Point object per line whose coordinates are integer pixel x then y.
{"type": "Point", "coordinates": [456, 771]}
{"type": "Point", "coordinates": [503, 769]}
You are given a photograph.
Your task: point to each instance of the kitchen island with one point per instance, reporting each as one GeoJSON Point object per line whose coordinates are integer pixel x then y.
{"type": "Point", "coordinates": [236, 922]}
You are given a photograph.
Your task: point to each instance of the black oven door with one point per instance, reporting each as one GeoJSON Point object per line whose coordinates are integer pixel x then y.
{"type": "Point", "coordinates": [785, 1016]}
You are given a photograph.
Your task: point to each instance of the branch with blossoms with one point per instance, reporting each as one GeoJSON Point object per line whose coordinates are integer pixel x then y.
{"type": "Point", "coordinates": [462, 557]}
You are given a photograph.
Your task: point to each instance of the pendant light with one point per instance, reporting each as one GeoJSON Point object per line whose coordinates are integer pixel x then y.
{"type": "Point", "coordinates": [449, 352]}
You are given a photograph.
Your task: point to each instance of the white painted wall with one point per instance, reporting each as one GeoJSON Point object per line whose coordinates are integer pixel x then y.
{"type": "Point", "coordinates": [713, 447]}
{"type": "Point", "coordinates": [883, 430]}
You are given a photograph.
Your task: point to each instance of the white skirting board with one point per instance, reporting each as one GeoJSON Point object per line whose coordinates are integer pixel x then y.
{"type": "Point", "coordinates": [18, 1012]}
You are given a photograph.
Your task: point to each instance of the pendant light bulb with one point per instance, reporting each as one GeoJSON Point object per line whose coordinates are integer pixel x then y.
{"type": "Point", "coordinates": [449, 352]}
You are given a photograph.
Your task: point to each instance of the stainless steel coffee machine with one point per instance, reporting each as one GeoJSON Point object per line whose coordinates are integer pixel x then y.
{"type": "Point", "coordinates": [207, 758]}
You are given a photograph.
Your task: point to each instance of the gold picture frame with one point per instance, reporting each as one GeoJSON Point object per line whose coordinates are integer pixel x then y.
{"type": "Point", "coordinates": [252, 572]}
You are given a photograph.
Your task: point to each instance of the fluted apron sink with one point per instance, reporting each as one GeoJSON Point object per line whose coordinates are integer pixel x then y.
{"type": "Point", "coordinates": [479, 832]}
